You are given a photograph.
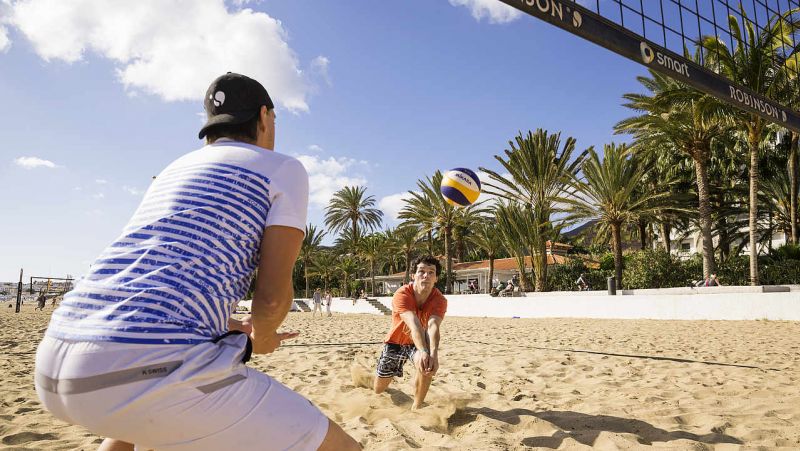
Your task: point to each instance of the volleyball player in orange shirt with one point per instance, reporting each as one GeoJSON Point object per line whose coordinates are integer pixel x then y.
{"type": "Point", "coordinates": [417, 313]}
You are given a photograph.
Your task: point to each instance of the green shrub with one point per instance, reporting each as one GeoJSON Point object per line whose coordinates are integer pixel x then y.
{"type": "Point", "coordinates": [607, 261]}
{"type": "Point", "coordinates": [734, 271]}
{"type": "Point", "coordinates": [563, 277]}
{"type": "Point", "coordinates": [780, 272]}
{"type": "Point", "coordinates": [655, 268]}
{"type": "Point", "coordinates": [786, 252]}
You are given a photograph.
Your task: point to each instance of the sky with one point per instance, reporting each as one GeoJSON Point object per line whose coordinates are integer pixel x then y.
{"type": "Point", "coordinates": [98, 98]}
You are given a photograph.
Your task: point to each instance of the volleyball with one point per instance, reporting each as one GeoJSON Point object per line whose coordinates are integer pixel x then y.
{"type": "Point", "coordinates": [460, 187]}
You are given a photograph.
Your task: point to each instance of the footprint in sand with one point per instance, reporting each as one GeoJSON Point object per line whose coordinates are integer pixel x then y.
{"type": "Point", "coordinates": [25, 437]}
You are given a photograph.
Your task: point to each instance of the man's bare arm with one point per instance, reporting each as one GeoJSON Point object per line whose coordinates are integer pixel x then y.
{"type": "Point", "coordinates": [415, 327]}
{"type": "Point", "coordinates": [433, 333]}
{"type": "Point", "coordinates": [273, 297]}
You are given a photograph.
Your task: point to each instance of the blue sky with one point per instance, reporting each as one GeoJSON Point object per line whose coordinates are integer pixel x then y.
{"type": "Point", "coordinates": [97, 100]}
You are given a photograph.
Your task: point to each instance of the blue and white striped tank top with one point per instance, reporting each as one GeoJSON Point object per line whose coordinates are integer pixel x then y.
{"type": "Point", "coordinates": [189, 251]}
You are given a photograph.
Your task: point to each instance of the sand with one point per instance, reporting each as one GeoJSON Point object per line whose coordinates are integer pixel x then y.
{"type": "Point", "coordinates": [505, 384]}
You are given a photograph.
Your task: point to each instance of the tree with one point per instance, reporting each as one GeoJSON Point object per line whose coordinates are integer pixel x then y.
{"type": "Point", "coordinates": [350, 208]}
{"type": "Point", "coordinates": [311, 242]}
{"type": "Point", "coordinates": [759, 62]}
{"type": "Point", "coordinates": [325, 265]}
{"type": "Point", "coordinates": [486, 237]}
{"type": "Point", "coordinates": [680, 118]}
{"type": "Point", "coordinates": [607, 195]}
{"type": "Point", "coordinates": [372, 248]}
{"type": "Point", "coordinates": [348, 266]}
{"type": "Point", "coordinates": [406, 241]}
{"type": "Point", "coordinates": [539, 176]}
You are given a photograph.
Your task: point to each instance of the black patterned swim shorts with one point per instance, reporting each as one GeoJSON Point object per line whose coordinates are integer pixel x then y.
{"type": "Point", "coordinates": [392, 358]}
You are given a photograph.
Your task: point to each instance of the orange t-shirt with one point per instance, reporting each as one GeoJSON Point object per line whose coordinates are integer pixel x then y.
{"type": "Point", "coordinates": [404, 301]}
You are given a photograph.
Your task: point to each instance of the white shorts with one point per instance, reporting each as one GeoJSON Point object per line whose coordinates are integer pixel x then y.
{"type": "Point", "coordinates": [174, 397]}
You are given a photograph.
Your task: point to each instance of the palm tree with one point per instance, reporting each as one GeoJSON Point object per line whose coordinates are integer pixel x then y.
{"type": "Point", "coordinates": [325, 265]}
{"type": "Point", "coordinates": [680, 118]}
{"type": "Point", "coordinates": [310, 246]}
{"type": "Point", "coordinates": [350, 208]}
{"type": "Point", "coordinates": [485, 237]}
{"type": "Point", "coordinates": [406, 239]}
{"type": "Point", "coordinates": [540, 175]}
{"type": "Point", "coordinates": [348, 266]}
{"type": "Point", "coordinates": [372, 248]}
{"type": "Point", "coordinates": [608, 194]}
{"type": "Point", "coordinates": [428, 210]}
{"type": "Point", "coordinates": [760, 63]}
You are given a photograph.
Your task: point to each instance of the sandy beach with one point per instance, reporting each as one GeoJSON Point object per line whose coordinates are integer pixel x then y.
{"type": "Point", "coordinates": [505, 384]}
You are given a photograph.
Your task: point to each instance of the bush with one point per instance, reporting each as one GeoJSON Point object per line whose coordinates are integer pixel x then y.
{"type": "Point", "coordinates": [786, 252]}
{"type": "Point", "coordinates": [655, 268]}
{"type": "Point", "coordinates": [607, 261]}
{"type": "Point", "coordinates": [780, 272]}
{"type": "Point", "coordinates": [563, 277]}
{"type": "Point", "coordinates": [734, 271]}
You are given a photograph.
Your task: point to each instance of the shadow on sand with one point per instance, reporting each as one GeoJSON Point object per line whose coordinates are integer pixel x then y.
{"type": "Point", "coordinates": [585, 428]}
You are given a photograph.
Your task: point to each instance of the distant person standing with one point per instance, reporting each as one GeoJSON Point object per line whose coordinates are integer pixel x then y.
{"type": "Point", "coordinates": [317, 300]}
{"type": "Point", "coordinates": [418, 310]}
{"type": "Point", "coordinates": [328, 301]}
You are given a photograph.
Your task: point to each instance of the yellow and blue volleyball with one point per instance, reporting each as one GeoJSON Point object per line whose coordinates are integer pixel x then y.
{"type": "Point", "coordinates": [460, 187]}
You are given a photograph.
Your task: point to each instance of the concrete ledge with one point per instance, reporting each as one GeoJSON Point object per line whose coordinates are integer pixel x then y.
{"type": "Point", "coordinates": [698, 306]}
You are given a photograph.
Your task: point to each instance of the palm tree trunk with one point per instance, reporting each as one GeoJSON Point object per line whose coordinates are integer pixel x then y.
{"type": "Point", "coordinates": [616, 230]}
{"type": "Point", "coordinates": [666, 229]}
{"type": "Point", "coordinates": [372, 276]}
{"type": "Point", "coordinates": [642, 234]}
{"type": "Point", "coordinates": [709, 265]}
{"type": "Point", "coordinates": [754, 138]}
{"type": "Point", "coordinates": [793, 175]}
{"type": "Point", "coordinates": [305, 271]}
{"type": "Point", "coordinates": [408, 269]}
{"type": "Point", "coordinates": [448, 257]}
{"type": "Point", "coordinates": [355, 235]}
{"type": "Point", "coordinates": [724, 242]}
{"type": "Point", "coordinates": [541, 271]}
{"type": "Point", "coordinates": [491, 274]}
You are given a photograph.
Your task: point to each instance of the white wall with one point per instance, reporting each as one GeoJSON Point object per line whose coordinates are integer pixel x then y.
{"type": "Point", "coordinates": [702, 305]}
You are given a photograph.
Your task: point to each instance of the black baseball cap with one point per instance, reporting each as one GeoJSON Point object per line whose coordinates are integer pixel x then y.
{"type": "Point", "coordinates": [233, 99]}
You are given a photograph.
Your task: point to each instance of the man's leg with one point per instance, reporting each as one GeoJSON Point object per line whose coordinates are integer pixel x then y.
{"type": "Point", "coordinates": [381, 383]}
{"type": "Point", "coordinates": [422, 382]}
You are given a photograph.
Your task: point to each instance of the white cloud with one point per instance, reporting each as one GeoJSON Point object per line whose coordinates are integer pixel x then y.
{"type": "Point", "coordinates": [315, 148]}
{"type": "Point", "coordinates": [168, 48]}
{"type": "Point", "coordinates": [492, 10]}
{"type": "Point", "coordinates": [98, 196]}
{"type": "Point", "coordinates": [34, 162]}
{"type": "Point", "coordinates": [5, 14]}
{"type": "Point", "coordinates": [328, 175]}
{"type": "Point", "coordinates": [132, 190]}
{"type": "Point", "coordinates": [101, 181]}
{"type": "Point", "coordinates": [320, 66]}
{"type": "Point", "coordinates": [392, 204]}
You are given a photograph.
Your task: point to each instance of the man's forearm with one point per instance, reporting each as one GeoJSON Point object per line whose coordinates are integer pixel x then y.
{"type": "Point", "coordinates": [433, 338]}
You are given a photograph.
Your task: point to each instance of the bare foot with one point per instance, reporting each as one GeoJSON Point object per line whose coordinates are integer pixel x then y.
{"type": "Point", "coordinates": [361, 376]}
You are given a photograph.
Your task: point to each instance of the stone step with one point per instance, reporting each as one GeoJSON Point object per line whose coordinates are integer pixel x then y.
{"type": "Point", "coordinates": [381, 308]}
